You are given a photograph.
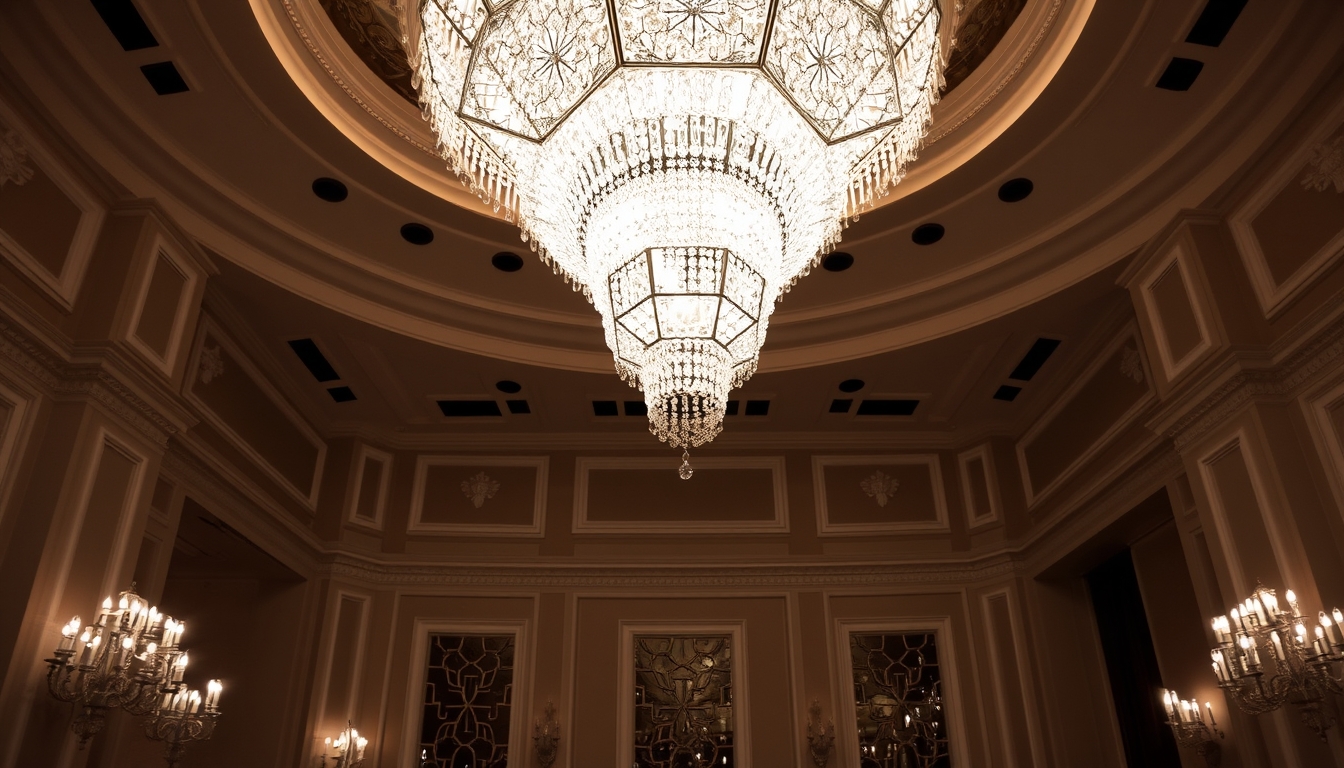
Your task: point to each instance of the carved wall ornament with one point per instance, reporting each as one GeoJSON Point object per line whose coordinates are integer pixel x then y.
{"type": "Point", "coordinates": [1131, 364]}
{"type": "Point", "coordinates": [1325, 166]}
{"type": "Point", "coordinates": [480, 487]}
{"type": "Point", "coordinates": [820, 735]}
{"type": "Point", "coordinates": [881, 487]}
{"type": "Point", "coordinates": [14, 158]}
{"type": "Point", "coordinates": [212, 364]}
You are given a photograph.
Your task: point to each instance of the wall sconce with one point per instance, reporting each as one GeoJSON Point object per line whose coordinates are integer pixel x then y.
{"type": "Point", "coordinates": [131, 658]}
{"type": "Point", "coordinates": [349, 746]}
{"type": "Point", "coordinates": [546, 738]}
{"type": "Point", "coordinates": [1188, 726]}
{"type": "Point", "coordinates": [1266, 657]}
{"type": "Point", "coordinates": [820, 736]}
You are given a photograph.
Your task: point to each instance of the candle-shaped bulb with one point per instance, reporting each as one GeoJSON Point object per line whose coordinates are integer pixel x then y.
{"type": "Point", "coordinates": [1209, 706]}
{"type": "Point", "coordinates": [1325, 620]}
{"type": "Point", "coordinates": [182, 661]}
{"type": "Point", "coordinates": [1292, 598]}
{"type": "Point", "coordinates": [127, 642]}
{"type": "Point", "coordinates": [107, 603]}
{"type": "Point", "coordinates": [151, 648]}
{"type": "Point", "coordinates": [1339, 617]}
{"type": "Point", "coordinates": [1246, 641]}
{"type": "Point", "coordinates": [1301, 630]}
{"type": "Point", "coordinates": [86, 637]}
{"type": "Point", "coordinates": [123, 604]}
{"type": "Point", "coordinates": [214, 686]}
{"type": "Point", "coordinates": [69, 630]}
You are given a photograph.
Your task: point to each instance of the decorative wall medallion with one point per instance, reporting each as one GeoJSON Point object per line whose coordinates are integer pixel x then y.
{"type": "Point", "coordinates": [212, 364]}
{"type": "Point", "coordinates": [1325, 166]}
{"type": "Point", "coordinates": [1131, 364]}
{"type": "Point", "coordinates": [880, 486]}
{"type": "Point", "coordinates": [13, 159]}
{"type": "Point", "coordinates": [479, 488]}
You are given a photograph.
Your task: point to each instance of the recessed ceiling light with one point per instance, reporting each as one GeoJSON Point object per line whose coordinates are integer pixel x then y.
{"type": "Point", "coordinates": [508, 387]}
{"type": "Point", "coordinates": [1015, 190]}
{"type": "Point", "coordinates": [417, 234]}
{"type": "Point", "coordinates": [927, 234]}
{"type": "Point", "coordinates": [331, 190]}
{"type": "Point", "coordinates": [507, 262]}
{"type": "Point", "coordinates": [851, 385]}
{"type": "Point", "coordinates": [837, 262]}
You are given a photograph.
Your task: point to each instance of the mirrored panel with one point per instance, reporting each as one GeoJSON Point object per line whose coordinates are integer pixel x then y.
{"type": "Point", "coordinates": [683, 701]}
{"type": "Point", "coordinates": [898, 698]}
{"type": "Point", "coordinates": [468, 702]}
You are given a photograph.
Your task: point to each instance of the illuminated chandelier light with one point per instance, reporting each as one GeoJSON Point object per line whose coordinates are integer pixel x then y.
{"type": "Point", "coordinates": [681, 162]}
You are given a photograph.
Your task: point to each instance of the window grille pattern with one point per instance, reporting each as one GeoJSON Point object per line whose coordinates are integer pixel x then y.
{"type": "Point", "coordinates": [898, 697]}
{"type": "Point", "coordinates": [468, 701]}
{"type": "Point", "coordinates": [683, 701]}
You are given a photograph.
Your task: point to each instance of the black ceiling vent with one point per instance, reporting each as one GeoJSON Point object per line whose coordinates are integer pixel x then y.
{"type": "Point", "coordinates": [341, 394]}
{"type": "Point", "coordinates": [852, 385]}
{"type": "Point", "coordinates": [636, 408]}
{"type": "Point", "coordinates": [887, 407]}
{"type": "Point", "coordinates": [1034, 359]}
{"type": "Point", "coordinates": [518, 407]}
{"type": "Point", "coordinates": [164, 78]}
{"type": "Point", "coordinates": [758, 407]}
{"type": "Point", "coordinates": [459, 408]}
{"type": "Point", "coordinates": [313, 359]}
{"type": "Point", "coordinates": [841, 405]}
{"type": "Point", "coordinates": [1180, 74]}
{"type": "Point", "coordinates": [126, 24]}
{"type": "Point", "coordinates": [605, 408]}
{"type": "Point", "coordinates": [508, 387]}
{"type": "Point", "coordinates": [505, 261]}
{"type": "Point", "coordinates": [730, 408]}
{"type": "Point", "coordinates": [417, 234]}
{"type": "Point", "coordinates": [1007, 393]}
{"type": "Point", "coordinates": [927, 234]}
{"type": "Point", "coordinates": [838, 261]}
{"type": "Point", "coordinates": [1214, 22]}
{"type": "Point", "coordinates": [1016, 190]}
{"type": "Point", "coordinates": [331, 190]}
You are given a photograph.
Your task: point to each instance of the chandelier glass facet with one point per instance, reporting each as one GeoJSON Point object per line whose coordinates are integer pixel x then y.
{"type": "Point", "coordinates": [680, 162]}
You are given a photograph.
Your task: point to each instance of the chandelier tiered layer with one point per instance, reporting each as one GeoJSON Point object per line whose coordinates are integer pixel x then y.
{"type": "Point", "coordinates": [681, 162]}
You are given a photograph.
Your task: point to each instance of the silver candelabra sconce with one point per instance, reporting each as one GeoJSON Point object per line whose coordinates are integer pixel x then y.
{"type": "Point", "coordinates": [1266, 657]}
{"type": "Point", "coordinates": [131, 658]}
{"type": "Point", "coordinates": [546, 738]}
{"type": "Point", "coordinates": [1188, 725]}
{"type": "Point", "coordinates": [820, 736]}
{"type": "Point", "coordinates": [348, 748]}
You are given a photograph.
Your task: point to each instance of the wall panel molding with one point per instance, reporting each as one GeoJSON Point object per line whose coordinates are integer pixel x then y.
{"type": "Point", "coordinates": [830, 527]}
{"type": "Point", "coordinates": [533, 529]}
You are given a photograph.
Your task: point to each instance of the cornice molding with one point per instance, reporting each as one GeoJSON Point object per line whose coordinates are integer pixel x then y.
{"type": "Point", "coordinates": [65, 380]}
{"type": "Point", "coordinates": [699, 576]}
{"type": "Point", "coordinates": [1298, 366]}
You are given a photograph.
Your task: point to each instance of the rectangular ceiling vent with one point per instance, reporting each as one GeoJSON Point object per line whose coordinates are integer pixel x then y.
{"type": "Point", "coordinates": [341, 394]}
{"type": "Point", "coordinates": [606, 408]}
{"type": "Point", "coordinates": [164, 78]}
{"type": "Point", "coordinates": [1214, 22]}
{"type": "Point", "coordinates": [313, 359]}
{"type": "Point", "coordinates": [1180, 74]}
{"type": "Point", "coordinates": [841, 405]}
{"type": "Point", "coordinates": [758, 407]}
{"type": "Point", "coordinates": [126, 24]}
{"type": "Point", "coordinates": [1007, 393]}
{"type": "Point", "coordinates": [1035, 358]}
{"type": "Point", "coordinates": [636, 408]}
{"type": "Point", "coordinates": [887, 407]}
{"type": "Point", "coordinates": [730, 408]}
{"type": "Point", "coordinates": [466, 408]}
{"type": "Point", "coordinates": [518, 407]}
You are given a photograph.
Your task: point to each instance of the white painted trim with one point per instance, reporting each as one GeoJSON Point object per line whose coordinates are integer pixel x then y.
{"type": "Point", "coordinates": [1129, 333]}
{"type": "Point", "coordinates": [625, 707]}
{"type": "Point", "coordinates": [160, 245]}
{"type": "Point", "coordinates": [847, 713]}
{"type": "Point", "coordinates": [1275, 297]}
{"type": "Point", "coordinates": [1329, 443]}
{"type": "Point", "coordinates": [62, 288]}
{"type": "Point", "coordinates": [209, 327]}
{"type": "Point", "coordinates": [585, 464]}
{"type": "Point", "coordinates": [939, 524]}
{"type": "Point", "coordinates": [1021, 658]}
{"type": "Point", "coordinates": [1178, 259]}
{"type": "Point", "coordinates": [1241, 581]}
{"type": "Point", "coordinates": [536, 529]}
{"type": "Point", "coordinates": [329, 652]}
{"type": "Point", "coordinates": [363, 453]}
{"type": "Point", "coordinates": [417, 675]}
{"type": "Point", "coordinates": [120, 545]}
{"type": "Point", "coordinates": [14, 439]}
{"type": "Point", "coordinates": [995, 510]}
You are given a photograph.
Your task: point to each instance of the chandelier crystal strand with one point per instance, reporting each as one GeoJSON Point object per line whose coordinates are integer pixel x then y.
{"type": "Point", "coordinates": [682, 165]}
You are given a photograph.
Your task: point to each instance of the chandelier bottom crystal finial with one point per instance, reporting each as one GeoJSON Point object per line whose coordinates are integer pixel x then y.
{"type": "Point", "coordinates": [685, 470]}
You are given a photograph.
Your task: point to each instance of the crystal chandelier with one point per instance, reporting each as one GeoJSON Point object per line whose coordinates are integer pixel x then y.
{"type": "Point", "coordinates": [680, 162]}
{"type": "Point", "coordinates": [1266, 657]}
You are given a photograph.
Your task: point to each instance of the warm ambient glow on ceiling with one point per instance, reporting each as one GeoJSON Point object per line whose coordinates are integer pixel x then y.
{"type": "Point", "coordinates": [682, 162]}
